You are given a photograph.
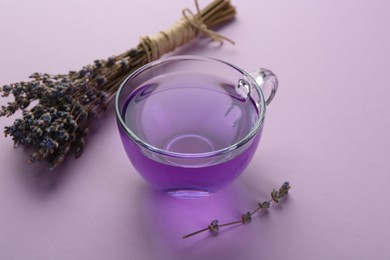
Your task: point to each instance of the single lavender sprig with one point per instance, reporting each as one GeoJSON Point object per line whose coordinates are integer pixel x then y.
{"type": "Point", "coordinates": [276, 197]}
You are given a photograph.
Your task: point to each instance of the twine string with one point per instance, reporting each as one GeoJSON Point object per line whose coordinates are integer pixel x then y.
{"type": "Point", "coordinates": [196, 21]}
{"type": "Point", "coordinates": [179, 34]}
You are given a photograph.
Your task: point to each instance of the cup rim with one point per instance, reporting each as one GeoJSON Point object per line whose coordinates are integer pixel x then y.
{"type": "Point", "coordinates": [235, 146]}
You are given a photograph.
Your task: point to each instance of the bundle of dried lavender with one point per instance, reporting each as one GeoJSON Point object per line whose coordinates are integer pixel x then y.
{"type": "Point", "coordinates": [67, 104]}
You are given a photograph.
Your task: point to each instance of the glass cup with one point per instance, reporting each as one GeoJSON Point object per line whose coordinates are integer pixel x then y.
{"type": "Point", "coordinates": [191, 125]}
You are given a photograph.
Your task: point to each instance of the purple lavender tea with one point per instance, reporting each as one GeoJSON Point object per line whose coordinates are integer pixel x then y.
{"type": "Point", "coordinates": [191, 116]}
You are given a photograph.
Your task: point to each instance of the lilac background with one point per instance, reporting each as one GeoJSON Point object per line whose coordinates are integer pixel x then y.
{"type": "Point", "coordinates": [327, 132]}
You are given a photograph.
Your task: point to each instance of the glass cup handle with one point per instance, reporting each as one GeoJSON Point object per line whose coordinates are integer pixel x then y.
{"type": "Point", "coordinates": [267, 81]}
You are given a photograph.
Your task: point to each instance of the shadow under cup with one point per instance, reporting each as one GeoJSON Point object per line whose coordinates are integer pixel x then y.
{"type": "Point", "coordinates": [190, 125]}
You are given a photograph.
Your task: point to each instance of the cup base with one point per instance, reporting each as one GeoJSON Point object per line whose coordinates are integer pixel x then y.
{"type": "Point", "coordinates": [190, 143]}
{"type": "Point", "coordinates": [188, 193]}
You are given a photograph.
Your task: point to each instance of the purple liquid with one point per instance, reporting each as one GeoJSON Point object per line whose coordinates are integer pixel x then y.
{"type": "Point", "coordinates": [189, 114]}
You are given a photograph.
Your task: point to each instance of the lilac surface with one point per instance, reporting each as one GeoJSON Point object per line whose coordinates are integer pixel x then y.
{"type": "Point", "coordinates": [327, 133]}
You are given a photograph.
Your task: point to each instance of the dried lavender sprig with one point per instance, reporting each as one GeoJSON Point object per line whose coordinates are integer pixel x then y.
{"type": "Point", "coordinates": [69, 103]}
{"type": "Point", "coordinates": [276, 197]}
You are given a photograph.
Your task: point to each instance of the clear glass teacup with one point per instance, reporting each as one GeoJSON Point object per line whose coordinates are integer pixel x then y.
{"type": "Point", "coordinates": [190, 125]}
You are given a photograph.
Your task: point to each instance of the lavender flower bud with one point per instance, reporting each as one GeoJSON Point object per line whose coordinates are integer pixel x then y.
{"type": "Point", "coordinates": [214, 227]}
{"type": "Point", "coordinates": [246, 218]}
